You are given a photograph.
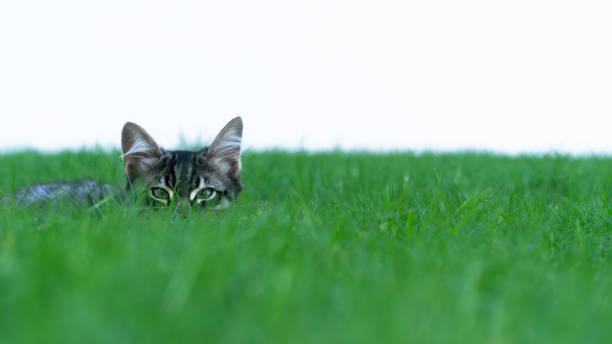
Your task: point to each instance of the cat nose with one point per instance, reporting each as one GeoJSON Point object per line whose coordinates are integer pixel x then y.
{"type": "Point", "coordinates": [182, 207]}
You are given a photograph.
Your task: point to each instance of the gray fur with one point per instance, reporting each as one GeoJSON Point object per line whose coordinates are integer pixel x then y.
{"type": "Point", "coordinates": [180, 174]}
{"type": "Point", "coordinates": [82, 192]}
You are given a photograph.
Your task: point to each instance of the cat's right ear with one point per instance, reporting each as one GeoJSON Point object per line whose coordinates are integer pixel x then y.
{"type": "Point", "coordinates": [140, 152]}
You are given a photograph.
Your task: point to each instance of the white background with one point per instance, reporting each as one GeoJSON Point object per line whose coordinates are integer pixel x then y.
{"type": "Point", "coordinates": [508, 76]}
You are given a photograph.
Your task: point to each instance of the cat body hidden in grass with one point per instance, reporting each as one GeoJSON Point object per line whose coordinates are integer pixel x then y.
{"type": "Point", "coordinates": [180, 179]}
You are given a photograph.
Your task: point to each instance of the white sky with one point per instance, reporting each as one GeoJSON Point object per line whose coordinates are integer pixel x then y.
{"type": "Point", "coordinates": [509, 76]}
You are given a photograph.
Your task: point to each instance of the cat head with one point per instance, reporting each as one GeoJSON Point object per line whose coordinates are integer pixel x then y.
{"type": "Point", "coordinates": [209, 176]}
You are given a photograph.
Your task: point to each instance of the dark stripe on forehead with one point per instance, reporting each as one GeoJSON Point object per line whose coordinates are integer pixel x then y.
{"type": "Point", "coordinates": [194, 172]}
{"type": "Point", "coordinates": [181, 165]}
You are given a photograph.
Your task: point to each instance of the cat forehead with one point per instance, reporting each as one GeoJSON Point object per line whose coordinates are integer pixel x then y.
{"type": "Point", "coordinates": [183, 157]}
{"type": "Point", "coordinates": [180, 154]}
{"type": "Point", "coordinates": [182, 165]}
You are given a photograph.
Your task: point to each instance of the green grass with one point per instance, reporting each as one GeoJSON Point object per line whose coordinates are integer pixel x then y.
{"type": "Point", "coordinates": [320, 248]}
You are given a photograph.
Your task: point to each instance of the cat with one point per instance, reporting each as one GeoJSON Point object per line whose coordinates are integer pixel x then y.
{"type": "Point", "coordinates": [185, 179]}
{"type": "Point", "coordinates": [170, 178]}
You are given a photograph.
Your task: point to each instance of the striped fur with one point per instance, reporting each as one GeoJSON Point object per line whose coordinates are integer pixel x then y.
{"type": "Point", "coordinates": [210, 175]}
{"type": "Point", "coordinates": [180, 172]}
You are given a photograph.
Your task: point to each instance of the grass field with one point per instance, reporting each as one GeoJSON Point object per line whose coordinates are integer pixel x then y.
{"type": "Point", "coordinates": [320, 248]}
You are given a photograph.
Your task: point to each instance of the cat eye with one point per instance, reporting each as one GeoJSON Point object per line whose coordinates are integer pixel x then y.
{"type": "Point", "coordinates": [206, 195]}
{"type": "Point", "coordinates": [160, 194]}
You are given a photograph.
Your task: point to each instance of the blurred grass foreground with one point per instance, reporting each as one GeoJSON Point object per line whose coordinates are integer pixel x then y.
{"type": "Point", "coordinates": [319, 248]}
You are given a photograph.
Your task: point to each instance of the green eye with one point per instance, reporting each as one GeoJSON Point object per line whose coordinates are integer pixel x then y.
{"type": "Point", "coordinates": [159, 194]}
{"type": "Point", "coordinates": [206, 194]}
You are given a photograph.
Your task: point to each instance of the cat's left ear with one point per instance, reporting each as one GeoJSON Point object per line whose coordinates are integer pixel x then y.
{"type": "Point", "coordinates": [224, 152]}
{"type": "Point", "coordinates": [140, 152]}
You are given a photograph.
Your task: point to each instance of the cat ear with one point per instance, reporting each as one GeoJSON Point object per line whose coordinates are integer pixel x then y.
{"type": "Point", "coordinates": [140, 152]}
{"type": "Point", "coordinates": [224, 152]}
